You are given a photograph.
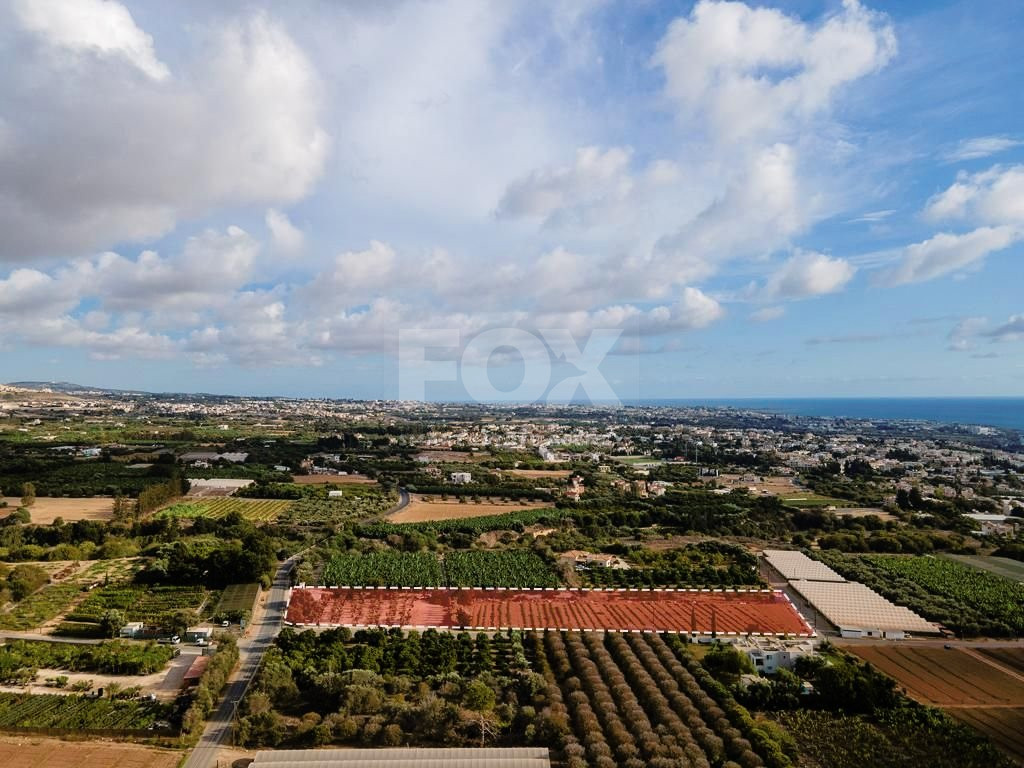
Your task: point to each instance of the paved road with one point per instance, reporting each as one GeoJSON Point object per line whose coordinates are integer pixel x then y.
{"type": "Point", "coordinates": [250, 650]}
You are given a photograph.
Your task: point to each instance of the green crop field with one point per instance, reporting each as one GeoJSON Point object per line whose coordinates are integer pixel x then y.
{"type": "Point", "coordinates": [253, 510]}
{"type": "Point", "coordinates": [502, 568]}
{"type": "Point", "coordinates": [1001, 566]}
{"type": "Point", "coordinates": [78, 712]}
{"type": "Point", "coordinates": [236, 599]}
{"type": "Point", "coordinates": [359, 502]}
{"type": "Point", "coordinates": [139, 603]}
{"type": "Point", "coordinates": [384, 569]}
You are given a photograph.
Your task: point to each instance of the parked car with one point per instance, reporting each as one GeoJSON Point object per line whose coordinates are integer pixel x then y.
{"type": "Point", "coordinates": [202, 641]}
{"type": "Point", "coordinates": [172, 640]}
{"type": "Point", "coordinates": [225, 623]}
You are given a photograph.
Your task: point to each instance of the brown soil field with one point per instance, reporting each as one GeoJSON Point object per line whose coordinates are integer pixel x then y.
{"type": "Point", "coordinates": [538, 473]}
{"type": "Point", "coordinates": [420, 511]}
{"type": "Point", "coordinates": [39, 752]}
{"type": "Point", "coordinates": [944, 677]}
{"type": "Point", "coordinates": [1012, 658]}
{"type": "Point", "coordinates": [332, 479]}
{"type": "Point", "coordinates": [864, 512]}
{"type": "Point", "coordinates": [46, 510]}
{"type": "Point", "coordinates": [771, 484]}
{"type": "Point", "coordinates": [1004, 725]}
{"type": "Point", "coordinates": [456, 457]}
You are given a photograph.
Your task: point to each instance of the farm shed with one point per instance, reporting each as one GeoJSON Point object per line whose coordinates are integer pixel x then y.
{"type": "Point", "coordinates": [195, 671]}
{"type": "Point", "coordinates": [405, 757]}
{"type": "Point", "coordinates": [858, 611]}
{"type": "Point", "coordinates": [792, 565]}
{"type": "Point", "coordinates": [132, 629]}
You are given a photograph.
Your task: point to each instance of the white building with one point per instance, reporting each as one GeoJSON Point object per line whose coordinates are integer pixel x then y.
{"type": "Point", "coordinates": [461, 478]}
{"type": "Point", "coordinates": [769, 655]}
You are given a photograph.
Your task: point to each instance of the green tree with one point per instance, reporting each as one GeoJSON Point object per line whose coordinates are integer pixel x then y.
{"type": "Point", "coordinates": [111, 623]}
{"type": "Point", "coordinates": [28, 495]}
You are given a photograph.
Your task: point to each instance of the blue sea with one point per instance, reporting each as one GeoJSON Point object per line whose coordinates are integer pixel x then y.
{"type": "Point", "coordinates": [1006, 412]}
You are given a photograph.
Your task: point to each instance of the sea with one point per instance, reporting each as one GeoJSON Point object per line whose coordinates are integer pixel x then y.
{"type": "Point", "coordinates": [1005, 412]}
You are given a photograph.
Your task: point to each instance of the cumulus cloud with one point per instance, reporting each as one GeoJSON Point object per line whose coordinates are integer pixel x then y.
{"type": "Point", "coordinates": [995, 196]}
{"type": "Point", "coordinates": [102, 28]}
{"type": "Point", "coordinates": [808, 274]}
{"type": "Point", "coordinates": [945, 253]}
{"type": "Point", "coordinates": [982, 146]}
{"type": "Point", "coordinates": [753, 71]}
{"type": "Point", "coordinates": [286, 238]}
{"type": "Point", "coordinates": [241, 124]}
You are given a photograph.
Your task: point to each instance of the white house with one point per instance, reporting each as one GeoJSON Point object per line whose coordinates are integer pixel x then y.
{"type": "Point", "coordinates": [461, 478]}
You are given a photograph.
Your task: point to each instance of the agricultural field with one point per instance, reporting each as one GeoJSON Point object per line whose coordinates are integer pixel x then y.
{"type": "Point", "coordinates": [497, 568]}
{"type": "Point", "coordinates": [79, 713]}
{"type": "Point", "coordinates": [595, 699]}
{"type": "Point", "coordinates": [252, 510]}
{"type": "Point", "coordinates": [45, 509]}
{"type": "Point", "coordinates": [1012, 658]}
{"type": "Point", "coordinates": [351, 479]}
{"type": "Point", "coordinates": [969, 601]}
{"type": "Point", "coordinates": [1003, 725]}
{"type": "Point", "coordinates": [509, 521]}
{"type": "Point", "coordinates": [56, 597]}
{"type": "Point", "coordinates": [703, 564]}
{"type": "Point", "coordinates": [902, 739]}
{"type": "Point", "coordinates": [359, 502]}
{"type": "Point", "coordinates": [385, 569]}
{"type": "Point", "coordinates": [944, 677]}
{"type": "Point", "coordinates": [1000, 566]}
{"type": "Point", "coordinates": [236, 601]}
{"type": "Point", "coordinates": [683, 611]}
{"type": "Point", "coordinates": [422, 509]}
{"type": "Point", "coordinates": [148, 604]}
{"type": "Point", "coordinates": [37, 752]}
{"type": "Point", "coordinates": [111, 658]}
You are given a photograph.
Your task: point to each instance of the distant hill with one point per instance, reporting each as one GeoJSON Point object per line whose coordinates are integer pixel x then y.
{"type": "Point", "coordinates": [64, 387]}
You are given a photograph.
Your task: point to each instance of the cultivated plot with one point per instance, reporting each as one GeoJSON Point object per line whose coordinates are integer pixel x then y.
{"type": "Point", "coordinates": [624, 610]}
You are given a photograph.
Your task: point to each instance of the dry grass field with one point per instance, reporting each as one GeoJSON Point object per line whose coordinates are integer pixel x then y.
{"type": "Point", "coordinates": [38, 752]}
{"type": "Point", "coordinates": [332, 479]}
{"type": "Point", "coordinates": [46, 510]}
{"type": "Point", "coordinates": [539, 474]}
{"type": "Point", "coordinates": [420, 511]}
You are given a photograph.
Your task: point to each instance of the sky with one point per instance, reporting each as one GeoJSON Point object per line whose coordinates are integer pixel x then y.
{"type": "Point", "coordinates": [801, 198]}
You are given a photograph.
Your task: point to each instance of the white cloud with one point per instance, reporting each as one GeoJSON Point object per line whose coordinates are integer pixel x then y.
{"type": "Point", "coordinates": [287, 239]}
{"type": "Point", "coordinates": [983, 146]}
{"type": "Point", "coordinates": [808, 274]}
{"type": "Point", "coordinates": [995, 196]}
{"type": "Point", "coordinates": [103, 28]}
{"type": "Point", "coordinates": [946, 252]}
{"type": "Point", "coordinates": [240, 125]}
{"type": "Point", "coordinates": [755, 71]}
{"type": "Point", "coordinates": [767, 314]}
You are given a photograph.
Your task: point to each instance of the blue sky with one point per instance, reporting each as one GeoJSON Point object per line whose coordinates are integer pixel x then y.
{"type": "Point", "coordinates": [807, 198]}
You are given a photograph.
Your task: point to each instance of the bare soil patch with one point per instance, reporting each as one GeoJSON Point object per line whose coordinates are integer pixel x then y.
{"type": "Point", "coordinates": [420, 511]}
{"type": "Point", "coordinates": [46, 510]}
{"type": "Point", "coordinates": [332, 479]}
{"type": "Point", "coordinates": [538, 473]}
{"type": "Point", "coordinates": [38, 752]}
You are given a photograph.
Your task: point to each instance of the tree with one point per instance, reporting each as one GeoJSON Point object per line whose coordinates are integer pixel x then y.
{"type": "Point", "coordinates": [112, 622]}
{"type": "Point", "coordinates": [28, 495]}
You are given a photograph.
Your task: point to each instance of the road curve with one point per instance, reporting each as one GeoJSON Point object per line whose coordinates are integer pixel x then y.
{"type": "Point", "coordinates": [250, 652]}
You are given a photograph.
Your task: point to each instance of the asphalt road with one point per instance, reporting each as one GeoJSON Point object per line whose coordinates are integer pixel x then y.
{"type": "Point", "coordinates": [250, 651]}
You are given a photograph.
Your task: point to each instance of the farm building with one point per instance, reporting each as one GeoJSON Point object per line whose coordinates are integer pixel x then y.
{"type": "Point", "coordinates": [858, 611]}
{"type": "Point", "coordinates": [461, 478]}
{"type": "Point", "coordinates": [198, 633]}
{"type": "Point", "coordinates": [769, 654]}
{"type": "Point", "coordinates": [400, 757]}
{"type": "Point", "coordinates": [132, 629]}
{"type": "Point", "coordinates": [791, 565]}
